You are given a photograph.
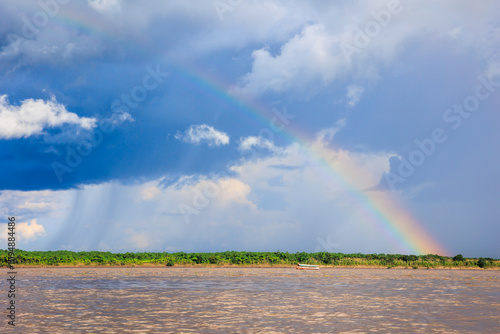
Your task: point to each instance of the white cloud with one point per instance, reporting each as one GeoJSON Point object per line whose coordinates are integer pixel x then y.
{"type": "Point", "coordinates": [260, 204]}
{"type": "Point", "coordinates": [203, 133]}
{"type": "Point", "coordinates": [308, 56]}
{"type": "Point", "coordinates": [105, 6]}
{"type": "Point", "coordinates": [195, 27]}
{"type": "Point", "coordinates": [362, 169]}
{"type": "Point", "coordinates": [32, 117]}
{"type": "Point", "coordinates": [73, 133]}
{"type": "Point", "coordinates": [30, 231]}
{"type": "Point", "coordinates": [317, 55]}
{"type": "Point", "coordinates": [354, 94]}
{"type": "Point", "coordinates": [225, 192]}
{"type": "Point", "coordinates": [149, 192]}
{"type": "Point", "coordinates": [326, 135]}
{"type": "Point", "coordinates": [250, 142]}
{"type": "Point", "coordinates": [25, 231]}
{"type": "Point", "coordinates": [309, 37]}
{"type": "Point", "coordinates": [120, 117]}
{"type": "Point", "coordinates": [138, 240]}
{"type": "Point", "coordinates": [31, 204]}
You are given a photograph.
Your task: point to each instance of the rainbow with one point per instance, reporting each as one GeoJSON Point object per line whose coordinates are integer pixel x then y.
{"type": "Point", "coordinates": [382, 208]}
{"type": "Point", "coordinates": [391, 217]}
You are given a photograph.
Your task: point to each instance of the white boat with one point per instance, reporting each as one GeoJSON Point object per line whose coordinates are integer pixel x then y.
{"type": "Point", "coordinates": [302, 266]}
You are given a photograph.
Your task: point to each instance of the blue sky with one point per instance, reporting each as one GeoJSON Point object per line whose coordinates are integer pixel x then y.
{"type": "Point", "coordinates": [189, 126]}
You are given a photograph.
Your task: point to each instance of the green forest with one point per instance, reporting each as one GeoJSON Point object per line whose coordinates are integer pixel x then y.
{"type": "Point", "coordinates": [236, 258]}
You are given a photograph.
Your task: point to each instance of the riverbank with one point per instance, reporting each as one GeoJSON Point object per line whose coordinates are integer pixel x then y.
{"type": "Point", "coordinates": [243, 259]}
{"type": "Point", "coordinates": [213, 266]}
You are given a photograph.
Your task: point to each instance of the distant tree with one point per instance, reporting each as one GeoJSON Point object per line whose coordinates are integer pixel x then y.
{"type": "Point", "coordinates": [481, 263]}
{"type": "Point", "coordinates": [458, 258]}
{"type": "Point", "coordinates": [326, 257]}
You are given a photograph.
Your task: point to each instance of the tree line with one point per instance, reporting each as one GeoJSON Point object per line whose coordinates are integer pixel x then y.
{"type": "Point", "coordinates": [64, 257]}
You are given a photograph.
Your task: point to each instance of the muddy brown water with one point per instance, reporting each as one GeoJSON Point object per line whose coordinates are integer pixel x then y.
{"type": "Point", "coordinates": [253, 300]}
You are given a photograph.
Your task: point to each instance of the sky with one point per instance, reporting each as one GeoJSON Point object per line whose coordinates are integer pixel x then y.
{"type": "Point", "coordinates": [200, 126]}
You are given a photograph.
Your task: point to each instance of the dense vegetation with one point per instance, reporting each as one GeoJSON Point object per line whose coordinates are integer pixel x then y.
{"type": "Point", "coordinates": [278, 258]}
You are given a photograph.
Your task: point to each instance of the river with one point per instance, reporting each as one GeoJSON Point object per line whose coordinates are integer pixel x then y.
{"type": "Point", "coordinates": [254, 300]}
